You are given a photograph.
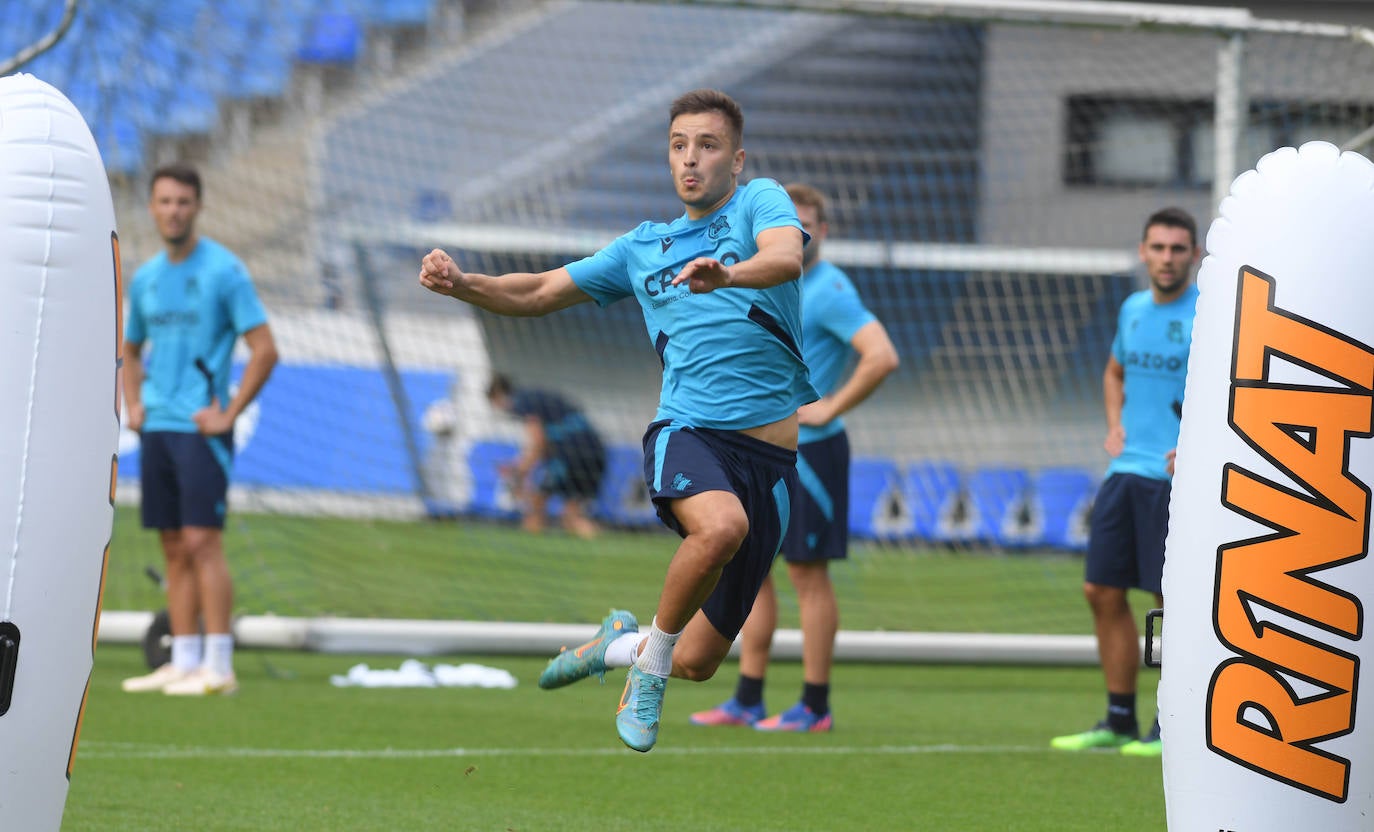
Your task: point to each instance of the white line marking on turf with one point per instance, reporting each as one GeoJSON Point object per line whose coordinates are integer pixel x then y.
{"type": "Point", "coordinates": [130, 750]}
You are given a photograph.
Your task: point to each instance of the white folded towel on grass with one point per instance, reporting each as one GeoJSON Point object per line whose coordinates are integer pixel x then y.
{"type": "Point", "coordinates": [415, 674]}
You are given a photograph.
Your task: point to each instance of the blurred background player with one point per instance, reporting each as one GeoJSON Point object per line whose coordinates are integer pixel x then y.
{"type": "Point", "coordinates": [188, 306]}
{"type": "Point", "coordinates": [1143, 397]}
{"type": "Point", "coordinates": [719, 290]}
{"type": "Point", "coordinates": [561, 448]}
{"type": "Point", "coordinates": [836, 327]}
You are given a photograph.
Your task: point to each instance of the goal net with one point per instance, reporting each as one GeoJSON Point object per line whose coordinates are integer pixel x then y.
{"type": "Point", "coordinates": [989, 167]}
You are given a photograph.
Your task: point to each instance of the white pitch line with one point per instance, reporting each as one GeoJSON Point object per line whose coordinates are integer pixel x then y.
{"type": "Point", "coordinates": [128, 751]}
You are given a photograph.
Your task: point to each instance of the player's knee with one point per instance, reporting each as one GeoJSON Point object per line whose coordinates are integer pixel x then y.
{"type": "Point", "coordinates": [1104, 599]}
{"type": "Point", "coordinates": [810, 577]}
{"type": "Point", "coordinates": [723, 535]}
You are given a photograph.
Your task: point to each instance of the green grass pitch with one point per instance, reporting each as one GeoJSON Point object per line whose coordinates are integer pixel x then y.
{"type": "Point", "coordinates": [915, 748]}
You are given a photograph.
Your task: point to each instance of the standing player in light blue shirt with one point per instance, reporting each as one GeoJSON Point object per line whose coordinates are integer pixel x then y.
{"type": "Point", "coordinates": [1143, 397]}
{"type": "Point", "coordinates": [189, 305]}
{"type": "Point", "coordinates": [837, 328]}
{"type": "Point", "coordinates": [722, 307]}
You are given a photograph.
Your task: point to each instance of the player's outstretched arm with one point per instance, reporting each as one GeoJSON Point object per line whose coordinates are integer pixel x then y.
{"type": "Point", "coordinates": [519, 294]}
{"type": "Point", "coordinates": [778, 260]}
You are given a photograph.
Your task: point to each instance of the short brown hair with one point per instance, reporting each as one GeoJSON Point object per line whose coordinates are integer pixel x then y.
{"type": "Point", "coordinates": [803, 194]}
{"type": "Point", "coordinates": [1172, 218]}
{"type": "Point", "coordinates": [181, 172]}
{"type": "Point", "coordinates": [710, 101]}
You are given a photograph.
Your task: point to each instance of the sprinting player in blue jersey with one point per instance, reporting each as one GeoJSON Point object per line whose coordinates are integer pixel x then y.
{"type": "Point", "coordinates": [722, 307]}
{"type": "Point", "coordinates": [561, 446]}
{"type": "Point", "coordinates": [837, 327]}
{"type": "Point", "coordinates": [187, 307]}
{"type": "Point", "coordinates": [1143, 396]}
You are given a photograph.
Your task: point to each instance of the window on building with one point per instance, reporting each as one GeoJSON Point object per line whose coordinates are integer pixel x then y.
{"type": "Point", "coordinates": [1116, 141]}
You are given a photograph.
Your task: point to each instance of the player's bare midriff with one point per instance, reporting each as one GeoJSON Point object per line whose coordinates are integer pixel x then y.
{"type": "Point", "coordinates": [782, 432]}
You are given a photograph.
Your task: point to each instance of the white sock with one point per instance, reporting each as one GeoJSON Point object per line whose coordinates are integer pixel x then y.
{"type": "Point", "coordinates": [186, 652]}
{"type": "Point", "coordinates": [657, 656]}
{"type": "Point", "coordinates": [621, 652]}
{"type": "Point", "coordinates": [219, 653]}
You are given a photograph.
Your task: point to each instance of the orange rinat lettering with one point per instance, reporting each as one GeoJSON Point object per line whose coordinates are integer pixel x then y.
{"type": "Point", "coordinates": [1319, 520]}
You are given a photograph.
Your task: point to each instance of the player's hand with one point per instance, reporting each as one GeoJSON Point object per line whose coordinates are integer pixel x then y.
{"type": "Point", "coordinates": [704, 274]}
{"type": "Point", "coordinates": [438, 272]}
{"type": "Point", "coordinates": [137, 413]}
{"type": "Point", "coordinates": [815, 413]}
{"type": "Point", "coordinates": [212, 420]}
{"type": "Point", "coordinates": [1115, 442]}
{"type": "Point", "coordinates": [1169, 461]}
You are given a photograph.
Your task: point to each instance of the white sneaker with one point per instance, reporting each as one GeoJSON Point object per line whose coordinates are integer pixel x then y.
{"type": "Point", "coordinates": [203, 682]}
{"type": "Point", "coordinates": [157, 680]}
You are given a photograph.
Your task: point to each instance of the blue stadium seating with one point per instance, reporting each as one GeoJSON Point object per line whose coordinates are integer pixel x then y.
{"type": "Point", "coordinates": [1062, 499]}
{"type": "Point", "coordinates": [161, 69]}
{"type": "Point", "coordinates": [120, 143]}
{"type": "Point", "coordinates": [934, 491]}
{"type": "Point", "coordinates": [399, 12]}
{"type": "Point", "coordinates": [331, 38]}
{"type": "Point", "coordinates": [491, 497]}
{"type": "Point", "coordinates": [878, 508]}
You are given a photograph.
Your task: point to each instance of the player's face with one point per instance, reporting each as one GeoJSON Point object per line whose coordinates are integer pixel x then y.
{"type": "Point", "coordinates": [1168, 254]}
{"type": "Point", "coordinates": [704, 161]}
{"type": "Point", "coordinates": [174, 206]}
{"type": "Point", "coordinates": [811, 224]}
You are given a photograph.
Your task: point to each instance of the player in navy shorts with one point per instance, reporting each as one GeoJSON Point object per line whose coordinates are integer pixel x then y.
{"type": "Point", "coordinates": [722, 307]}
{"type": "Point", "coordinates": [189, 305]}
{"type": "Point", "coordinates": [849, 354]}
{"type": "Point", "coordinates": [1143, 397]}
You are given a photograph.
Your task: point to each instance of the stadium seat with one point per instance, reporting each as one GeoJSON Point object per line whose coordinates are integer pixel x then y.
{"type": "Point", "coordinates": [331, 37]}
{"type": "Point", "coordinates": [624, 499]}
{"type": "Point", "coordinates": [998, 503]}
{"type": "Point", "coordinates": [431, 205]}
{"type": "Point", "coordinates": [120, 143]}
{"type": "Point", "coordinates": [1061, 504]}
{"type": "Point", "coordinates": [400, 12]}
{"type": "Point", "coordinates": [491, 496]}
{"type": "Point", "coordinates": [878, 508]}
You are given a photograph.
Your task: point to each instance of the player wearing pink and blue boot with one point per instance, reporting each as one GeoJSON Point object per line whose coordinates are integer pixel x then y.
{"type": "Point", "coordinates": [837, 330]}
{"type": "Point", "coordinates": [719, 293]}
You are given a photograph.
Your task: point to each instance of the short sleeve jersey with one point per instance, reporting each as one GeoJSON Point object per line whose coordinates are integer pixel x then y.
{"type": "Point", "coordinates": [189, 314]}
{"type": "Point", "coordinates": [564, 425]}
{"type": "Point", "coordinates": [1152, 343]}
{"type": "Point", "coordinates": [831, 313]}
{"type": "Point", "coordinates": [731, 358]}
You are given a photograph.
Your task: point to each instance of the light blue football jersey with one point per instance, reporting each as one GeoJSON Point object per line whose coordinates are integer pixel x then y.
{"type": "Point", "coordinates": [832, 312]}
{"type": "Point", "coordinates": [1152, 343]}
{"type": "Point", "coordinates": [188, 315]}
{"type": "Point", "coordinates": [731, 358]}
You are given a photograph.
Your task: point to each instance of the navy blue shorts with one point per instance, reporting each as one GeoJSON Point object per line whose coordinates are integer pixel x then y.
{"type": "Point", "coordinates": [819, 530]}
{"type": "Point", "coordinates": [574, 472]}
{"type": "Point", "coordinates": [185, 479]}
{"type": "Point", "coordinates": [680, 461]}
{"type": "Point", "coordinates": [1130, 519]}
